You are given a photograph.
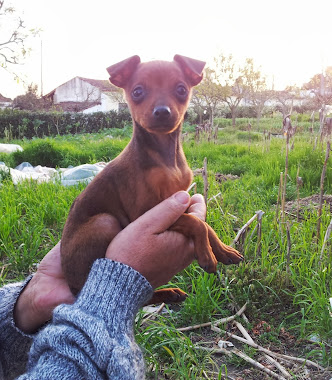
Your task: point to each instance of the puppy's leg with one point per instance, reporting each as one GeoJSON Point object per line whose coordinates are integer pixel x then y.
{"type": "Point", "coordinates": [194, 228]}
{"type": "Point", "coordinates": [168, 295]}
{"type": "Point", "coordinates": [208, 247]}
{"type": "Point", "coordinates": [224, 253]}
{"type": "Point", "coordinates": [88, 243]}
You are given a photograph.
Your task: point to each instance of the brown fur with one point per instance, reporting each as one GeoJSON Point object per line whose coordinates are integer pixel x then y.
{"type": "Point", "coordinates": [151, 168]}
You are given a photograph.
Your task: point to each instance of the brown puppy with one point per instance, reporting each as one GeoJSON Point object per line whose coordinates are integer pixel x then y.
{"type": "Point", "coordinates": [151, 168]}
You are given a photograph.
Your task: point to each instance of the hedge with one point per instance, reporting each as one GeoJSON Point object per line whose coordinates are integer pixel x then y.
{"type": "Point", "coordinates": [16, 124]}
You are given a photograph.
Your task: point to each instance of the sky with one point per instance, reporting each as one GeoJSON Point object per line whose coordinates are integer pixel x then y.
{"type": "Point", "coordinates": [289, 40]}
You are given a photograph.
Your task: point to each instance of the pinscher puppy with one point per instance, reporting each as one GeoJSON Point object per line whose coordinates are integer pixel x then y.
{"type": "Point", "coordinates": [151, 168]}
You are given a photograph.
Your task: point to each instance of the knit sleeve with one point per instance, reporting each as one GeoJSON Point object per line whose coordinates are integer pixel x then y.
{"type": "Point", "coordinates": [94, 337]}
{"type": "Point", "coordinates": [14, 344]}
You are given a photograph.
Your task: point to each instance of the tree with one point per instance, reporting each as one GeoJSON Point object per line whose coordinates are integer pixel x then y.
{"type": "Point", "coordinates": [30, 100]}
{"type": "Point", "coordinates": [285, 99]}
{"type": "Point", "coordinates": [321, 86]}
{"type": "Point", "coordinates": [236, 81]}
{"type": "Point", "coordinates": [258, 92]}
{"type": "Point", "coordinates": [207, 95]}
{"type": "Point", "coordinates": [13, 36]}
{"type": "Point", "coordinates": [258, 100]}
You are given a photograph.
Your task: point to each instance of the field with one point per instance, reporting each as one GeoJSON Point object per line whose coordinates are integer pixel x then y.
{"type": "Point", "coordinates": [285, 280]}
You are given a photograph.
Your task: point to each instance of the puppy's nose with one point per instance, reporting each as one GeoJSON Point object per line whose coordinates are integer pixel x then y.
{"type": "Point", "coordinates": [162, 112]}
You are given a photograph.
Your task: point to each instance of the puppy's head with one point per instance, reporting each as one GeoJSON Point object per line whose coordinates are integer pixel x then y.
{"type": "Point", "coordinates": [157, 92]}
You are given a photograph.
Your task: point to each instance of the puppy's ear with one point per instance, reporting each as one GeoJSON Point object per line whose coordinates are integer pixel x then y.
{"type": "Point", "coordinates": [121, 72]}
{"type": "Point", "coordinates": [192, 68]}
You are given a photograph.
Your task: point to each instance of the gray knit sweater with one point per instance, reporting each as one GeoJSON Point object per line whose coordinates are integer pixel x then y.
{"type": "Point", "coordinates": [91, 339]}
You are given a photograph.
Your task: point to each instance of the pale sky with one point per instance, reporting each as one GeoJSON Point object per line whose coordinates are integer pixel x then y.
{"type": "Point", "coordinates": [289, 39]}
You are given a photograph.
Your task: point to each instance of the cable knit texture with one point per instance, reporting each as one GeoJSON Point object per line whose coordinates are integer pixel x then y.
{"type": "Point", "coordinates": [14, 345]}
{"type": "Point", "coordinates": [94, 337]}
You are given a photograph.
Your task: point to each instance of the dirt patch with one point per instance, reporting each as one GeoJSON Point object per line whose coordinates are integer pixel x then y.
{"type": "Point", "coordinates": [309, 203]}
{"type": "Point", "coordinates": [225, 177]}
{"type": "Point", "coordinates": [218, 176]}
{"type": "Point", "coordinates": [285, 343]}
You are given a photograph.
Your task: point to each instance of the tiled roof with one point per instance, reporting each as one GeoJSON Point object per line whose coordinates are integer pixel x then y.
{"type": "Point", "coordinates": [103, 85]}
{"type": "Point", "coordinates": [4, 99]}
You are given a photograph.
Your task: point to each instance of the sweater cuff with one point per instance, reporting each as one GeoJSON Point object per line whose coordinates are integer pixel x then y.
{"type": "Point", "coordinates": [114, 291]}
{"type": "Point", "coordinates": [15, 291]}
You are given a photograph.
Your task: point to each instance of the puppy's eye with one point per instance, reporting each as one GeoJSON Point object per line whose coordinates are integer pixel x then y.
{"type": "Point", "coordinates": [181, 90]}
{"type": "Point", "coordinates": [137, 93]}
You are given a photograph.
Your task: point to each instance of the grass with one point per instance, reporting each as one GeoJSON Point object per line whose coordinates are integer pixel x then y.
{"type": "Point", "coordinates": [32, 217]}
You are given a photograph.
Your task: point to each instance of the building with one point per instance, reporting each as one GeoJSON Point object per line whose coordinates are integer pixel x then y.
{"type": "Point", "coordinates": [86, 96]}
{"type": "Point", "coordinates": [5, 102]}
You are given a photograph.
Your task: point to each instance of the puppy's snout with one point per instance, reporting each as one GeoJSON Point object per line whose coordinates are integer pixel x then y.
{"type": "Point", "coordinates": [162, 113]}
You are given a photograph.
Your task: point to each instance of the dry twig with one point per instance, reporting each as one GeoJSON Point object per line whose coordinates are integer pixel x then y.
{"type": "Point", "coordinates": [271, 353]}
{"type": "Point", "coordinates": [326, 238]}
{"type": "Point", "coordinates": [322, 178]}
{"type": "Point", "coordinates": [218, 322]}
{"type": "Point", "coordinates": [268, 357]}
{"type": "Point", "coordinates": [158, 311]}
{"type": "Point", "coordinates": [205, 180]}
{"type": "Point", "coordinates": [193, 185]}
{"type": "Point", "coordinates": [246, 225]}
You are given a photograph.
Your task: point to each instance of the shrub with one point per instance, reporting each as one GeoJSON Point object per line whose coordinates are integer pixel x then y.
{"type": "Point", "coordinates": [39, 153]}
{"type": "Point", "coordinates": [16, 124]}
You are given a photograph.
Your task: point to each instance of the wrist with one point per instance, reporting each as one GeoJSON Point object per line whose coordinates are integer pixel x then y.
{"type": "Point", "coordinates": [27, 317]}
{"type": "Point", "coordinates": [114, 291]}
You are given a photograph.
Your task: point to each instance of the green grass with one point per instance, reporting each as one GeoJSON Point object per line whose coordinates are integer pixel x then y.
{"type": "Point", "coordinates": [32, 217]}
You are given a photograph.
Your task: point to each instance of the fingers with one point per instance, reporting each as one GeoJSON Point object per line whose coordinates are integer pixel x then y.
{"type": "Point", "coordinates": [197, 206]}
{"type": "Point", "coordinates": [166, 213]}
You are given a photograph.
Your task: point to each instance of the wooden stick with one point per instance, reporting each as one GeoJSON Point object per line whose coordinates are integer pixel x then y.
{"type": "Point", "coordinates": [217, 322]}
{"type": "Point", "coordinates": [241, 355]}
{"type": "Point", "coordinates": [237, 237]}
{"type": "Point", "coordinates": [328, 148]}
{"type": "Point", "coordinates": [298, 194]}
{"type": "Point", "coordinates": [205, 180]}
{"type": "Point", "coordinates": [268, 357]}
{"type": "Point", "coordinates": [160, 308]}
{"type": "Point", "coordinates": [191, 187]}
{"type": "Point", "coordinates": [214, 197]}
{"type": "Point", "coordinates": [194, 327]}
{"type": "Point", "coordinates": [326, 238]}
{"type": "Point", "coordinates": [214, 350]}
{"type": "Point", "coordinates": [262, 349]}
{"type": "Point", "coordinates": [231, 318]}
{"type": "Point", "coordinates": [256, 364]}
{"type": "Point", "coordinates": [289, 245]}
{"type": "Point", "coordinates": [259, 232]}
{"type": "Point", "coordinates": [279, 194]}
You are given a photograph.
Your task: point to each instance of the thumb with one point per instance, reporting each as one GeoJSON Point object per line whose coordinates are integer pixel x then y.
{"type": "Point", "coordinates": [166, 213]}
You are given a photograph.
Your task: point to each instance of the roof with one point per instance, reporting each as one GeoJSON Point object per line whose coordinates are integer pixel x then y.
{"type": "Point", "coordinates": [103, 85]}
{"type": "Point", "coordinates": [4, 99]}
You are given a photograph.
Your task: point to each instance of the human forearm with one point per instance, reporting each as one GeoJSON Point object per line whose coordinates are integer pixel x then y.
{"type": "Point", "coordinates": [94, 336]}
{"type": "Point", "coordinates": [14, 344]}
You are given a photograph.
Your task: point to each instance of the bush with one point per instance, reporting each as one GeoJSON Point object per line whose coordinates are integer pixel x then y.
{"type": "Point", "coordinates": [19, 124]}
{"type": "Point", "coordinates": [39, 153]}
{"type": "Point", "coordinates": [54, 153]}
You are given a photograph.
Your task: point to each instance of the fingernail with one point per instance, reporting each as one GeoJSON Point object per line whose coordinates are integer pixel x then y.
{"type": "Point", "coordinates": [182, 197]}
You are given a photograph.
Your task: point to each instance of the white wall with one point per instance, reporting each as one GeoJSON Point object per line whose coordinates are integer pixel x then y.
{"type": "Point", "coordinates": [107, 104]}
{"type": "Point", "coordinates": [76, 90]}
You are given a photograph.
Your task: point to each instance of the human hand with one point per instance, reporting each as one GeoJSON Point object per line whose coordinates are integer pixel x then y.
{"type": "Point", "coordinates": [147, 246]}
{"type": "Point", "coordinates": [45, 291]}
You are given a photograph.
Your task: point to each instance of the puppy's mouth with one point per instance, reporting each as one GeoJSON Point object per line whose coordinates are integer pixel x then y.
{"type": "Point", "coordinates": [162, 128]}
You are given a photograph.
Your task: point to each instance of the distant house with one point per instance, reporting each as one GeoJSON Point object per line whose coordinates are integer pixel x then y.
{"type": "Point", "coordinates": [86, 95]}
{"type": "Point", "coordinates": [5, 102]}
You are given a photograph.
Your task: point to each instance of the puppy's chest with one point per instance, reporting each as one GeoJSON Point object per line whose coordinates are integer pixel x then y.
{"type": "Point", "coordinates": [163, 182]}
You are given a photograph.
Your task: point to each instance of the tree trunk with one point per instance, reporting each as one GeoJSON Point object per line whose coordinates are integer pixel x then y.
{"type": "Point", "coordinates": [233, 118]}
